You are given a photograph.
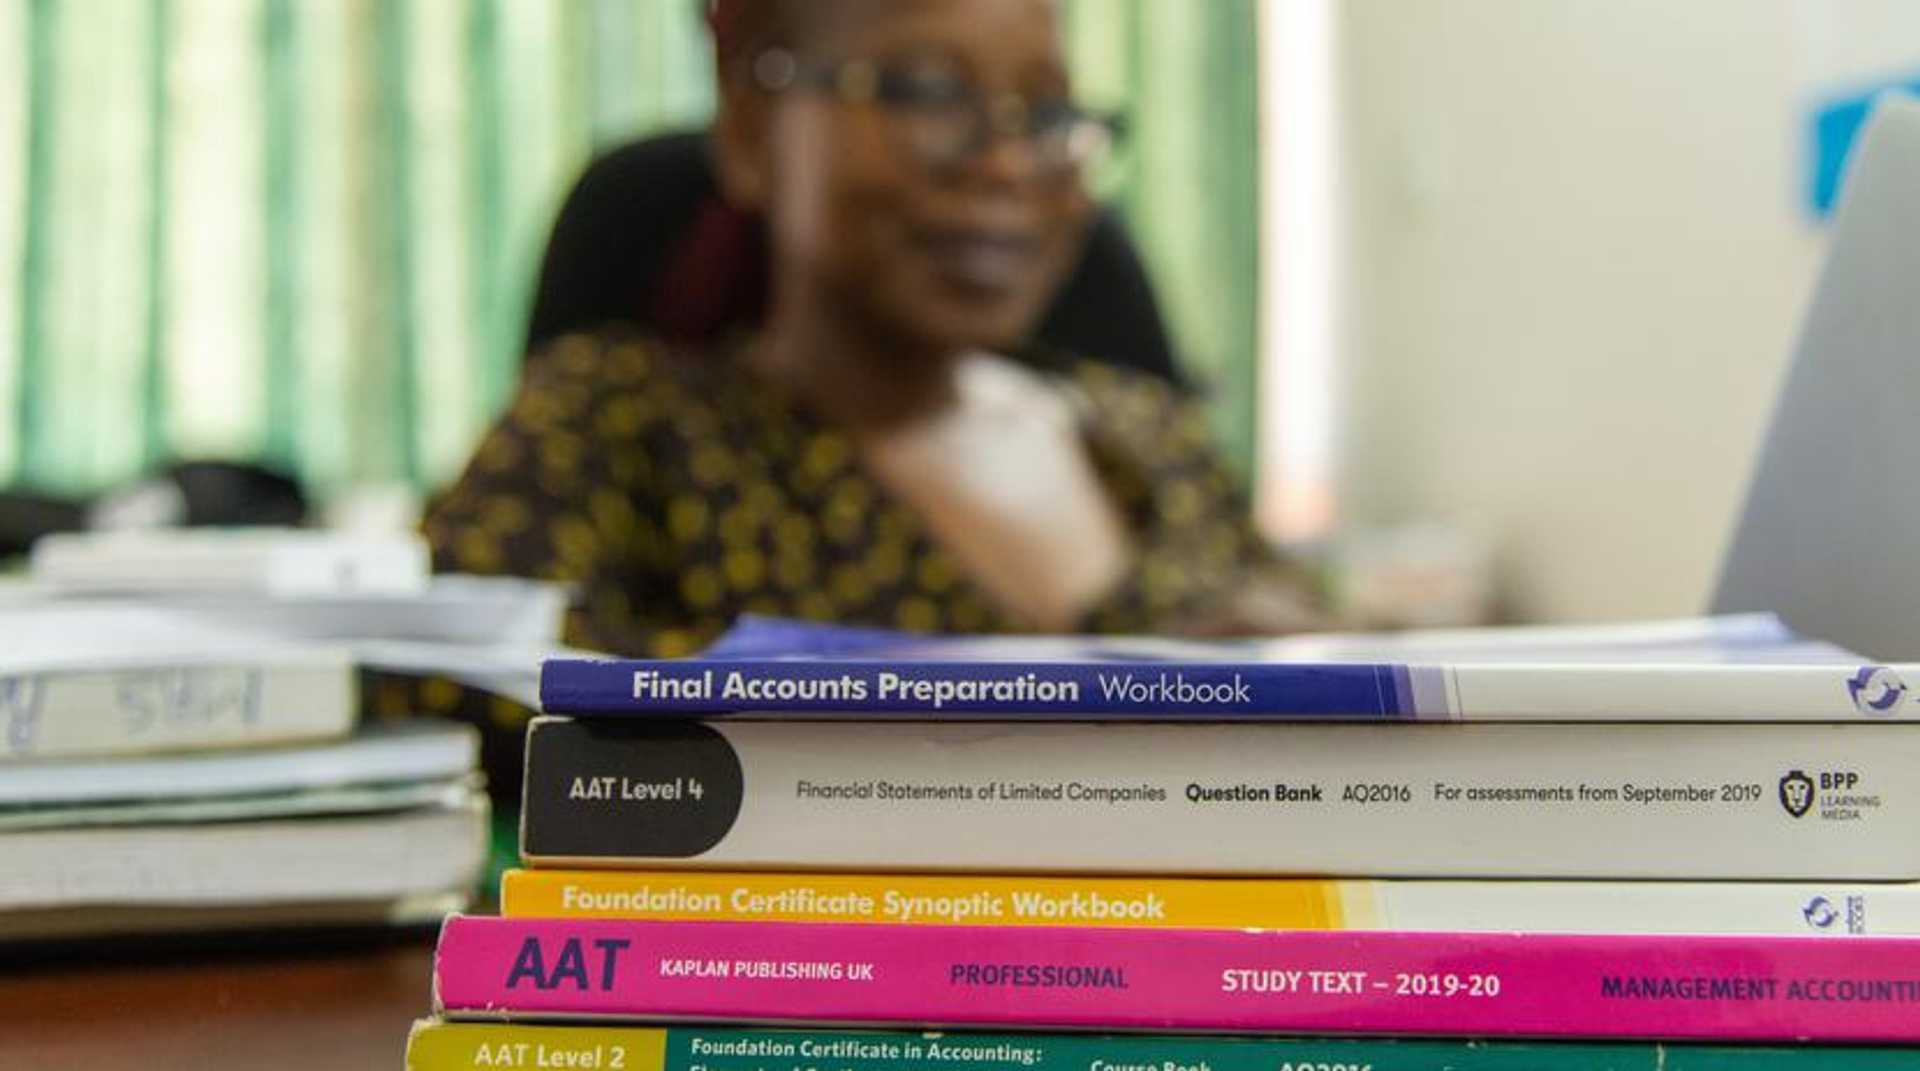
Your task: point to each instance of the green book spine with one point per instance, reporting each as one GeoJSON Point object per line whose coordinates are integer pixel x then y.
{"type": "Point", "coordinates": [436, 1046]}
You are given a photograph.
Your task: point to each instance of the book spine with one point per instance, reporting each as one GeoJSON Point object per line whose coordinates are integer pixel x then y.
{"type": "Point", "coordinates": [1784, 909]}
{"type": "Point", "coordinates": [1664, 987]}
{"type": "Point", "coordinates": [443, 1046]}
{"type": "Point", "coordinates": [925, 899]}
{"type": "Point", "coordinates": [1757, 802]}
{"type": "Point", "coordinates": [271, 862]}
{"type": "Point", "coordinates": [278, 564]}
{"type": "Point", "coordinates": [77, 713]}
{"type": "Point", "coordinates": [948, 689]}
{"type": "Point", "coordinates": [1214, 690]}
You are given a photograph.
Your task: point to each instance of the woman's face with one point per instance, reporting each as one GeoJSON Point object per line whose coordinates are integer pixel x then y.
{"type": "Point", "coordinates": [873, 210]}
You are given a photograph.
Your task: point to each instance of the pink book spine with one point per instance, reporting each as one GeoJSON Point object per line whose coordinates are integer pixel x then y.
{"type": "Point", "coordinates": [1472, 984]}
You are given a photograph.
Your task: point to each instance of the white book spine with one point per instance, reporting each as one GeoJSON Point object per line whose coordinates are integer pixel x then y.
{"type": "Point", "coordinates": [302, 860]}
{"type": "Point", "coordinates": [264, 561]}
{"type": "Point", "coordinates": [1824, 909]}
{"type": "Point", "coordinates": [1732, 693]}
{"type": "Point", "coordinates": [1666, 801]}
{"type": "Point", "coordinates": [78, 712]}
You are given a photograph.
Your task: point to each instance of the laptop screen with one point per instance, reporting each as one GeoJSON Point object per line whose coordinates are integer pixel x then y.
{"type": "Point", "coordinates": [1830, 534]}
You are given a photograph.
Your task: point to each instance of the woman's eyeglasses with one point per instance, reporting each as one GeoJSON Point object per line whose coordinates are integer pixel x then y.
{"type": "Point", "coordinates": [945, 119]}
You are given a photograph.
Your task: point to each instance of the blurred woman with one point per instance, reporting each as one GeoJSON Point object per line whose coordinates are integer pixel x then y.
{"type": "Point", "coordinates": [883, 447]}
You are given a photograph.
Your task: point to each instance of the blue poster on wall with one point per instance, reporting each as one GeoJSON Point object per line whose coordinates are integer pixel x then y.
{"type": "Point", "coordinates": [1831, 132]}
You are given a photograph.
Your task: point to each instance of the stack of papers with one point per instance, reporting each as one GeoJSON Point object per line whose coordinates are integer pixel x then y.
{"type": "Point", "coordinates": [180, 743]}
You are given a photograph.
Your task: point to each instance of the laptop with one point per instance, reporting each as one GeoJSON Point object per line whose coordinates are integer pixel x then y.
{"type": "Point", "coordinates": [1830, 535]}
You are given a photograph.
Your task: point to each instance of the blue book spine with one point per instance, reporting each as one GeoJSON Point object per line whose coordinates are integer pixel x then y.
{"type": "Point", "coordinates": [945, 689]}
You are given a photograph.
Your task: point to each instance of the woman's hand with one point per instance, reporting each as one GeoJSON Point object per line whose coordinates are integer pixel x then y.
{"type": "Point", "coordinates": [1266, 606]}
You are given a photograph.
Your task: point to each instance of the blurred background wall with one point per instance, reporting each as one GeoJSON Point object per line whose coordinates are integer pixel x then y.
{"type": "Point", "coordinates": [305, 230]}
{"type": "Point", "coordinates": [1573, 245]}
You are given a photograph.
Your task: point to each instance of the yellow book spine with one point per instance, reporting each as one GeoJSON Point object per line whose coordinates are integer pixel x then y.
{"type": "Point", "coordinates": [944, 899]}
{"type": "Point", "coordinates": [437, 1046]}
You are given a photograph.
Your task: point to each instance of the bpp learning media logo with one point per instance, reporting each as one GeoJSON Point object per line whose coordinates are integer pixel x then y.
{"type": "Point", "coordinates": [1876, 690]}
{"type": "Point", "coordinates": [1796, 793]}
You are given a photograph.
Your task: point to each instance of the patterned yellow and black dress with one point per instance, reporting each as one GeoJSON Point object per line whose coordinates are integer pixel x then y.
{"type": "Point", "coordinates": [677, 493]}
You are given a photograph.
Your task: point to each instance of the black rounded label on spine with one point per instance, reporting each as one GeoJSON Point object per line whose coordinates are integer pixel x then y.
{"type": "Point", "coordinates": [625, 789]}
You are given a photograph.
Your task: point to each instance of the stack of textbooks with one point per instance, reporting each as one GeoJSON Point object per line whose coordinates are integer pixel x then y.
{"type": "Point", "coordinates": [181, 748]}
{"type": "Point", "coordinates": [1678, 845]}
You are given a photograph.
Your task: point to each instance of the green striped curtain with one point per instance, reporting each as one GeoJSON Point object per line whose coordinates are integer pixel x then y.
{"type": "Point", "coordinates": [304, 231]}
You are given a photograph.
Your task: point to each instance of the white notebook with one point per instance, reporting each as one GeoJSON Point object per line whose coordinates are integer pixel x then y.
{"type": "Point", "coordinates": [408, 753]}
{"type": "Point", "coordinates": [347, 858]}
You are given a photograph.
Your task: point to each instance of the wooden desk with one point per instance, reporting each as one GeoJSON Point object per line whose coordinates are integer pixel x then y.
{"type": "Point", "coordinates": [285, 1009]}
